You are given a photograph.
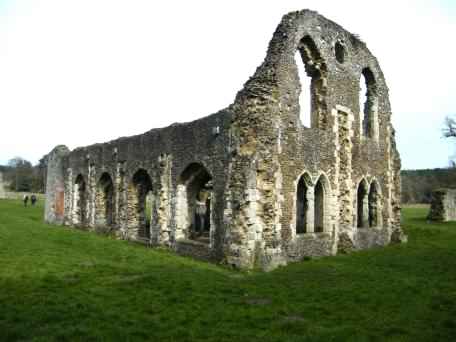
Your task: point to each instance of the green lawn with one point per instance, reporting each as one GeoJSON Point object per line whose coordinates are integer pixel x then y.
{"type": "Point", "coordinates": [59, 284]}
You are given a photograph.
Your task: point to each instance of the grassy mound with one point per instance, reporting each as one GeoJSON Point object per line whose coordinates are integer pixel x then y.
{"type": "Point", "coordinates": [60, 284]}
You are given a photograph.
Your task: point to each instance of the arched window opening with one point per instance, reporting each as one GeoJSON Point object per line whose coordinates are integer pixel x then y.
{"type": "Point", "coordinates": [362, 210]}
{"type": "Point", "coordinates": [196, 202]}
{"type": "Point", "coordinates": [104, 201]}
{"type": "Point", "coordinates": [302, 205]}
{"type": "Point", "coordinates": [373, 205]}
{"type": "Point", "coordinates": [313, 84]}
{"type": "Point", "coordinates": [368, 103]}
{"type": "Point", "coordinates": [305, 98]}
{"type": "Point", "coordinates": [139, 191]}
{"type": "Point", "coordinates": [319, 207]}
{"type": "Point", "coordinates": [339, 51]}
{"type": "Point", "coordinates": [79, 201]}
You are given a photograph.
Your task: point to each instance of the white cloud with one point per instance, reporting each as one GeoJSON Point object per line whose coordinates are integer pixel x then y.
{"type": "Point", "coordinates": [80, 72]}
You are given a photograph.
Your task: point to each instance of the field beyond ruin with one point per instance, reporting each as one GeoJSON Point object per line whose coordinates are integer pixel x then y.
{"type": "Point", "coordinates": [64, 284]}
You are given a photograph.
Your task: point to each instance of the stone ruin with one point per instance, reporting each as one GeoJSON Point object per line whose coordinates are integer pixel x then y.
{"type": "Point", "coordinates": [253, 185]}
{"type": "Point", "coordinates": [2, 187]}
{"type": "Point", "coordinates": [443, 205]}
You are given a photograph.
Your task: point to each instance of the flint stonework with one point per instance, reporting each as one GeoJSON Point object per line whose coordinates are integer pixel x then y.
{"type": "Point", "coordinates": [250, 185]}
{"type": "Point", "coordinates": [443, 205]}
{"type": "Point", "coordinates": [2, 187]}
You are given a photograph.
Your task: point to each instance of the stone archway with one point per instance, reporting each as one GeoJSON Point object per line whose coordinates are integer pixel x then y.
{"type": "Point", "coordinates": [104, 201]}
{"type": "Point", "coordinates": [138, 214]}
{"type": "Point", "coordinates": [195, 203]}
{"type": "Point", "coordinates": [368, 104]}
{"type": "Point", "coordinates": [362, 205]}
{"type": "Point", "coordinates": [312, 98]}
{"type": "Point", "coordinates": [304, 204]}
{"type": "Point", "coordinates": [374, 204]}
{"type": "Point", "coordinates": [322, 200]}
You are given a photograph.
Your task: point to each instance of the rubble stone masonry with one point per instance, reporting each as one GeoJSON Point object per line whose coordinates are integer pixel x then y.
{"type": "Point", "coordinates": [443, 205]}
{"type": "Point", "coordinates": [271, 190]}
{"type": "Point", "coordinates": [2, 187]}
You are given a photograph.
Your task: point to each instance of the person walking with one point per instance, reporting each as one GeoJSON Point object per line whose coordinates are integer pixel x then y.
{"type": "Point", "coordinates": [25, 199]}
{"type": "Point", "coordinates": [33, 200]}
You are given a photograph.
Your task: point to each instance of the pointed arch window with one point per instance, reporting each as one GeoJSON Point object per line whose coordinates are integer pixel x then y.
{"type": "Point", "coordinates": [362, 205]}
{"type": "Point", "coordinates": [303, 204]}
{"type": "Point", "coordinates": [368, 104]}
{"type": "Point", "coordinates": [312, 72]}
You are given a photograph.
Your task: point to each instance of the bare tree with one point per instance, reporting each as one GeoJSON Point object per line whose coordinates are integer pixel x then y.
{"type": "Point", "coordinates": [449, 129]}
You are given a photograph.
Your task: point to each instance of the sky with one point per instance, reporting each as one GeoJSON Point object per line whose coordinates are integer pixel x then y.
{"type": "Point", "coordinates": [89, 71]}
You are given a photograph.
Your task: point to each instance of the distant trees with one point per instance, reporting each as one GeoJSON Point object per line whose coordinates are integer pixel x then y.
{"type": "Point", "coordinates": [21, 175]}
{"type": "Point", "coordinates": [417, 185]}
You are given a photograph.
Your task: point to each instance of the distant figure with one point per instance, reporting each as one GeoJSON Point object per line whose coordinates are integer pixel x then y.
{"type": "Point", "coordinates": [33, 199]}
{"type": "Point", "coordinates": [25, 199]}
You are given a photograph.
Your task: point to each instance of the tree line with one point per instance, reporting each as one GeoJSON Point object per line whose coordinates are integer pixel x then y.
{"type": "Point", "coordinates": [21, 176]}
{"type": "Point", "coordinates": [417, 185]}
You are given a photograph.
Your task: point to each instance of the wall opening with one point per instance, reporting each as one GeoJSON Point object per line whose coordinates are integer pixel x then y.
{"type": "Point", "coordinates": [196, 202]}
{"type": "Point", "coordinates": [79, 201]}
{"type": "Point", "coordinates": [361, 200]}
{"type": "Point", "coordinates": [368, 103]}
{"type": "Point", "coordinates": [302, 204]}
{"type": "Point", "coordinates": [104, 201]}
{"type": "Point", "coordinates": [305, 98]}
{"type": "Point", "coordinates": [138, 192]}
{"type": "Point", "coordinates": [312, 79]}
{"type": "Point", "coordinates": [339, 51]}
{"type": "Point", "coordinates": [319, 208]}
{"type": "Point", "coordinates": [374, 205]}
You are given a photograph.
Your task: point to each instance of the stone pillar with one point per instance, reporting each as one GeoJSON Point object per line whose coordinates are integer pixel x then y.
{"type": "Point", "coordinates": [162, 202]}
{"type": "Point", "coordinates": [181, 212]}
{"type": "Point", "coordinates": [120, 201]}
{"type": "Point", "coordinates": [443, 206]}
{"type": "Point", "coordinates": [133, 193]}
{"type": "Point", "coordinates": [69, 196]}
{"type": "Point", "coordinates": [310, 213]}
{"type": "Point", "coordinates": [344, 131]}
{"type": "Point", "coordinates": [365, 223]}
{"type": "Point", "coordinates": [2, 188]}
{"type": "Point", "coordinates": [54, 209]}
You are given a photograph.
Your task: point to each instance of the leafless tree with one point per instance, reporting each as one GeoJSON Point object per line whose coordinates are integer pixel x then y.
{"type": "Point", "coordinates": [449, 129]}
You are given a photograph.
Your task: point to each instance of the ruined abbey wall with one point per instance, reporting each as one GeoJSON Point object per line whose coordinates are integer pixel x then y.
{"type": "Point", "coordinates": [271, 189]}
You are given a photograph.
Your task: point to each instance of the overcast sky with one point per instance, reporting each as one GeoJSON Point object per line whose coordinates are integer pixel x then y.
{"type": "Point", "coordinates": [88, 71]}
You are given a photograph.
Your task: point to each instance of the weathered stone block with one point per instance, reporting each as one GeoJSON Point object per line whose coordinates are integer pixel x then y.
{"type": "Point", "coordinates": [443, 205]}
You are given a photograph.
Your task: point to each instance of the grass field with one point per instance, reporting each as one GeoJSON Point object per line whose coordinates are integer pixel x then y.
{"type": "Point", "coordinates": [59, 284]}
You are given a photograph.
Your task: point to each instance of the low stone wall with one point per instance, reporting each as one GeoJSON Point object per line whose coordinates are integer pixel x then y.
{"type": "Point", "coordinates": [443, 205]}
{"type": "Point", "coordinates": [309, 245]}
{"type": "Point", "coordinates": [194, 249]}
{"type": "Point", "coordinates": [371, 237]}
